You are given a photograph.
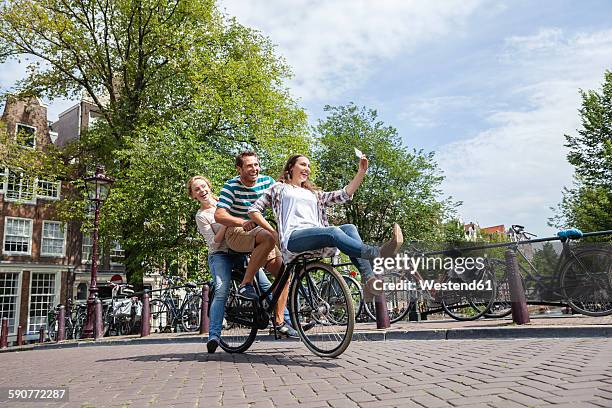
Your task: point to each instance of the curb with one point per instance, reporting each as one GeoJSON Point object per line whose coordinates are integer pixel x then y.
{"type": "Point", "coordinates": [482, 333]}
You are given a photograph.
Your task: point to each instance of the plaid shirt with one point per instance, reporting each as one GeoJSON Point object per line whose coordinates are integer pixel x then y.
{"type": "Point", "coordinates": [273, 197]}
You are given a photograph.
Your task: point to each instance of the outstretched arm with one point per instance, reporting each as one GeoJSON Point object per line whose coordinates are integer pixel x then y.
{"type": "Point", "coordinates": [358, 179]}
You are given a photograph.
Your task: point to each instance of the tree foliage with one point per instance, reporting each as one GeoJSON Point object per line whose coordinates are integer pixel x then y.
{"type": "Point", "coordinates": [401, 186]}
{"type": "Point", "coordinates": [181, 89]}
{"type": "Point", "coordinates": [588, 204]}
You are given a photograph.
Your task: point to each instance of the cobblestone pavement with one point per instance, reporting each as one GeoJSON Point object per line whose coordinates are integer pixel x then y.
{"type": "Point", "coordinates": [476, 373]}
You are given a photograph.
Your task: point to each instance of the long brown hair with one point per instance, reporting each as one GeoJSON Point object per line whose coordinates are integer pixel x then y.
{"type": "Point", "coordinates": [206, 180]}
{"type": "Point", "coordinates": [286, 174]}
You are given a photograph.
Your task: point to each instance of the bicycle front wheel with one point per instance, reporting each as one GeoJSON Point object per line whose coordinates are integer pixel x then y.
{"type": "Point", "coordinates": [322, 309]}
{"type": "Point", "coordinates": [190, 314]}
{"type": "Point", "coordinates": [586, 282]}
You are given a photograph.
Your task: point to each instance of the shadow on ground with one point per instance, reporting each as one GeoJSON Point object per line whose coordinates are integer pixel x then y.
{"type": "Point", "coordinates": [273, 357]}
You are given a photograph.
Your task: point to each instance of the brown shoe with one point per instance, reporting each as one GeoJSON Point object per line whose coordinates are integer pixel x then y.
{"type": "Point", "coordinates": [390, 248]}
{"type": "Point", "coordinates": [369, 286]}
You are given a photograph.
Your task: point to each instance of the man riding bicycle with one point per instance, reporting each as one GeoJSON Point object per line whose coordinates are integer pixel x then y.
{"type": "Point", "coordinates": [243, 235]}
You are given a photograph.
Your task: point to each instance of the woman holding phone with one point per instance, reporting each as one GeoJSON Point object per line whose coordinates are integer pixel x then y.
{"type": "Point", "coordinates": [299, 208]}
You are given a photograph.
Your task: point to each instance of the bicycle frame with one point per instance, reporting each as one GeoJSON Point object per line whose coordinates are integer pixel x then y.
{"type": "Point", "coordinates": [275, 288]}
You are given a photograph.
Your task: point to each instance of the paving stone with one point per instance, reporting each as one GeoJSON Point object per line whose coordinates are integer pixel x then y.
{"type": "Point", "coordinates": [433, 373]}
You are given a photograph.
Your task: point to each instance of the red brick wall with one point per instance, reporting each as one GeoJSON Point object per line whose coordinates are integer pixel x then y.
{"type": "Point", "coordinates": [30, 112]}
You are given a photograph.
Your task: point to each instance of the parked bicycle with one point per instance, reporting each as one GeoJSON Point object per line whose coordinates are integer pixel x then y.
{"type": "Point", "coordinates": [324, 320]}
{"type": "Point", "coordinates": [121, 311]}
{"type": "Point", "coordinates": [78, 317]}
{"type": "Point", "coordinates": [53, 324]}
{"type": "Point", "coordinates": [168, 313]}
{"type": "Point", "coordinates": [405, 288]}
{"type": "Point", "coordinates": [582, 276]}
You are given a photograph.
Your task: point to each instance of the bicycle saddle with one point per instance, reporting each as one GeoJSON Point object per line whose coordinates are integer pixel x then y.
{"type": "Point", "coordinates": [191, 285]}
{"type": "Point", "coordinates": [572, 233]}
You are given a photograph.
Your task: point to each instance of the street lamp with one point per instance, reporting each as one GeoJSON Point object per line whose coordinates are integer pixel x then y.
{"type": "Point", "coordinates": [98, 187]}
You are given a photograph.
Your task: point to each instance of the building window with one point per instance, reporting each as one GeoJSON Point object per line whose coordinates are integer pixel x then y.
{"type": "Point", "coordinates": [19, 187]}
{"type": "Point", "coordinates": [42, 298]}
{"type": "Point", "coordinates": [9, 290]}
{"type": "Point", "coordinates": [17, 236]}
{"type": "Point", "coordinates": [3, 179]}
{"type": "Point", "coordinates": [87, 248]}
{"type": "Point", "coordinates": [26, 135]}
{"type": "Point", "coordinates": [116, 252]}
{"type": "Point", "coordinates": [53, 239]}
{"type": "Point", "coordinates": [48, 189]}
{"type": "Point", "coordinates": [82, 291]}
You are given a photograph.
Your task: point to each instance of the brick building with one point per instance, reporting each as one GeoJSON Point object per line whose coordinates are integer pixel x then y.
{"type": "Point", "coordinates": [43, 261]}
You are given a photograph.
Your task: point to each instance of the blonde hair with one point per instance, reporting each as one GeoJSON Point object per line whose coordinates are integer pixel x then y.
{"type": "Point", "coordinates": [206, 180]}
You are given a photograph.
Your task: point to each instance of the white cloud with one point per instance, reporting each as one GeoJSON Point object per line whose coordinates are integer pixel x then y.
{"type": "Point", "coordinates": [546, 38]}
{"type": "Point", "coordinates": [426, 112]}
{"type": "Point", "coordinates": [333, 45]}
{"type": "Point", "coordinates": [518, 167]}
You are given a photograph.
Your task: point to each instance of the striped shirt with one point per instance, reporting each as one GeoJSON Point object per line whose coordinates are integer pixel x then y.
{"type": "Point", "coordinates": [237, 198]}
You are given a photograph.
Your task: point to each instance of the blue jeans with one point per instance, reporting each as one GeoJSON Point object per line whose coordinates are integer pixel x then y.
{"type": "Point", "coordinates": [345, 237]}
{"type": "Point", "coordinates": [221, 265]}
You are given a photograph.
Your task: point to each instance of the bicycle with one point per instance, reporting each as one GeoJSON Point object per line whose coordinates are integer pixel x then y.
{"type": "Point", "coordinates": [78, 317]}
{"type": "Point", "coordinates": [323, 318]}
{"type": "Point", "coordinates": [405, 287]}
{"type": "Point", "coordinates": [167, 313]}
{"type": "Point", "coordinates": [352, 283]}
{"type": "Point", "coordinates": [119, 313]}
{"type": "Point", "coordinates": [53, 324]}
{"type": "Point", "coordinates": [582, 277]}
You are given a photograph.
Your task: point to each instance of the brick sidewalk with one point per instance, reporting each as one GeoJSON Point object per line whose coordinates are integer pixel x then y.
{"type": "Point", "coordinates": [541, 327]}
{"type": "Point", "coordinates": [496, 373]}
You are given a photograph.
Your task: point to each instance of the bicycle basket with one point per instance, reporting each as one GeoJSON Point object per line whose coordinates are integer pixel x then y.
{"type": "Point", "coordinates": [122, 308]}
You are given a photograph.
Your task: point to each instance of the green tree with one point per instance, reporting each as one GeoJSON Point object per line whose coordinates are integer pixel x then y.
{"type": "Point", "coordinates": [401, 186]}
{"type": "Point", "coordinates": [181, 89]}
{"type": "Point", "coordinates": [588, 204]}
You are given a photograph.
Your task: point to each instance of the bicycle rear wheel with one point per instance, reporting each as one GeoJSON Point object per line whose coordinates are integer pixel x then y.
{"type": "Point", "coordinates": [322, 309]}
{"type": "Point", "coordinates": [586, 282]}
{"type": "Point", "coordinates": [398, 301]}
{"type": "Point", "coordinates": [190, 314]}
{"type": "Point", "coordinates": [240, 330]}
{"type": "Point", "coordinates": [468, 303]}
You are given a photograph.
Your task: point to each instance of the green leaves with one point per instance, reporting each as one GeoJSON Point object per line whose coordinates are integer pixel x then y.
{"type": "Point", "coordinates": [401, 186]}
{"type": "Point", "coordinates": [180, 90]}
{"type": "Point", "coordinates": [588, 205]}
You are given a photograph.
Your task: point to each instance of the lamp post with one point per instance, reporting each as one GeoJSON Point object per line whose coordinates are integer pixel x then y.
{"type": "Point", "coordinates": [98, 187]}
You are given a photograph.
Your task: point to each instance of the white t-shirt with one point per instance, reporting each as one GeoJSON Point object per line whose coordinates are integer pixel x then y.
{"type": "Point", "coordinates": [299, 211]}
{"type": "Point", "coordinates": [208, 228]}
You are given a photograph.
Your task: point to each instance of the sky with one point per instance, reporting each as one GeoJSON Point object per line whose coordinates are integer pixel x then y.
{"type": "Point", "coordinates": [490, 86]}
